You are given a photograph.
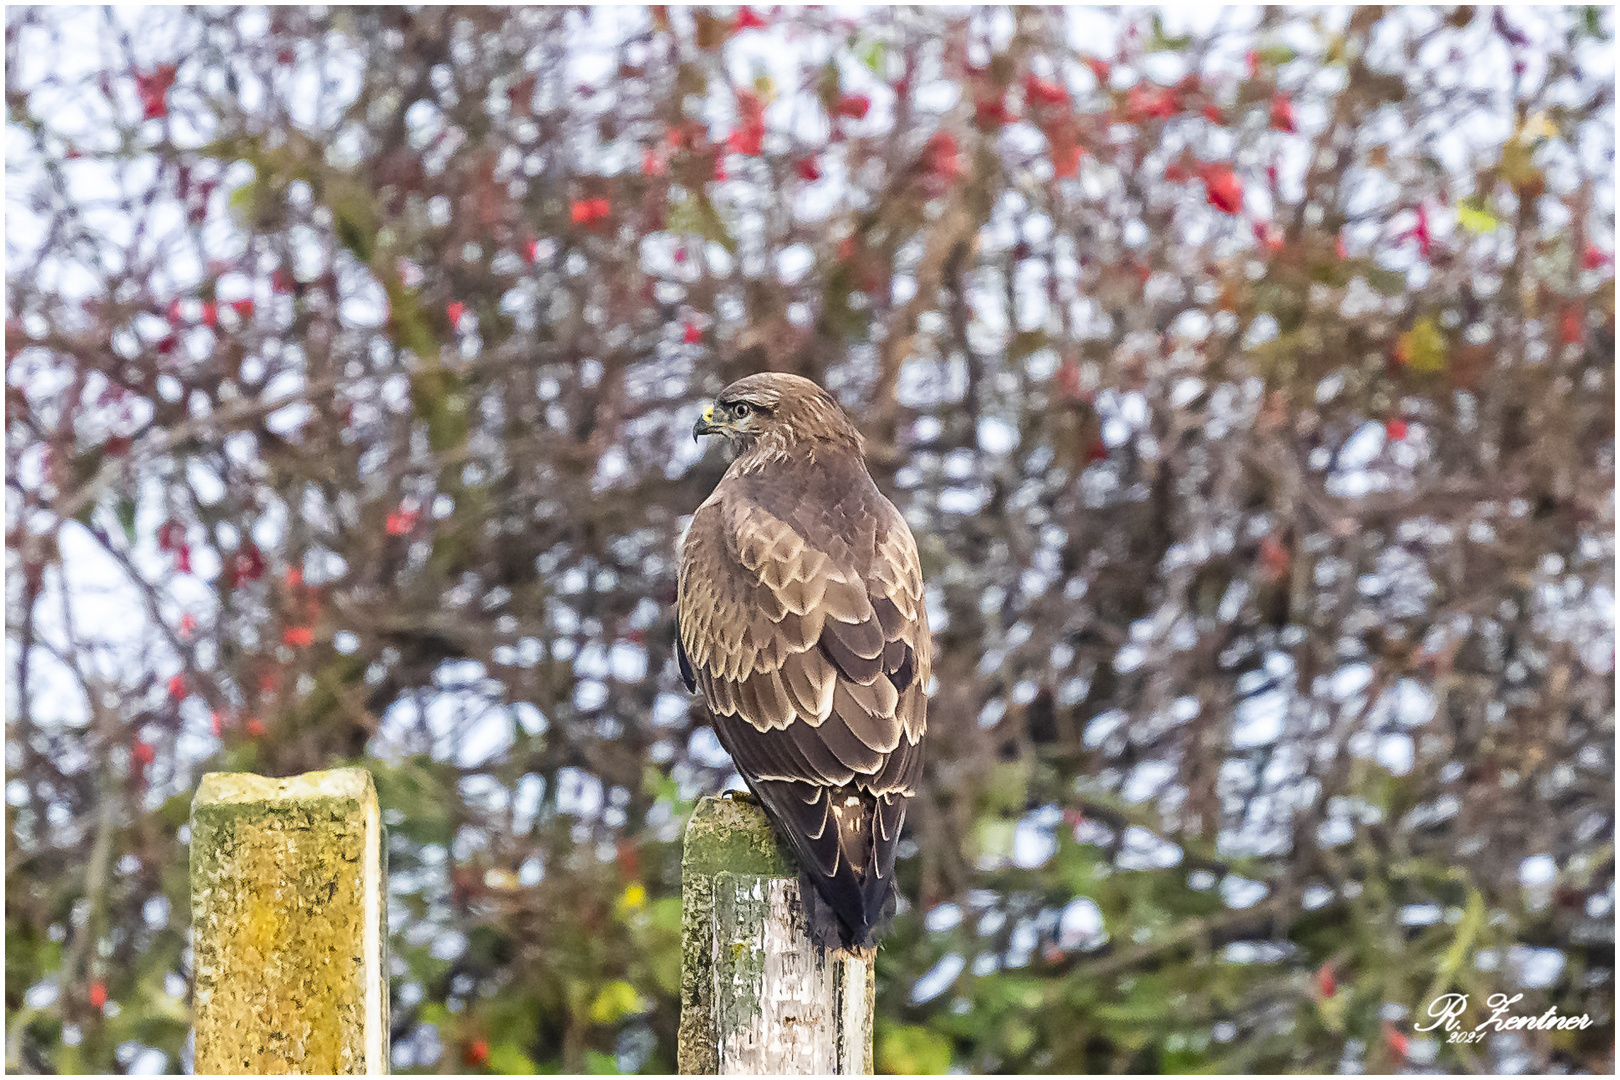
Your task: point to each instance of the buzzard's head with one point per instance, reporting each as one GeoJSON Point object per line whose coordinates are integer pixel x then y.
{"type": "Point", "coordinates": [771, 414]}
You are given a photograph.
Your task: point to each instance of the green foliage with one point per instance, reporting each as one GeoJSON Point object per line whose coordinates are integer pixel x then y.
{"type": "Point", "coordinates": [1474, 216]}
{"type": "Point", "coordinates": [696, 215]}
{"type": "Point", "coordinates": [1424, 347]}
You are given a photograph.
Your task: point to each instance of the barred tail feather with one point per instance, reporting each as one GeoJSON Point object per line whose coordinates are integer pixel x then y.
{"type": "Point", "coordinates": [845, 840]}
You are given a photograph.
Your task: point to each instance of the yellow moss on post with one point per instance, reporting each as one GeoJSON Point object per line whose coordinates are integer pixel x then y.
{"type": "Point", "coordinates": [288, 924]}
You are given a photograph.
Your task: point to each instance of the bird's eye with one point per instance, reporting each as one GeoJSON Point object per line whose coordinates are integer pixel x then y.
{"type": "Point", "coordinates": [741, 409]}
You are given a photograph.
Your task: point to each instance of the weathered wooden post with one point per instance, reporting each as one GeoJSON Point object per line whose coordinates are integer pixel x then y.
{"type": "Point", "coordinates": [289, 924]}
{"type": "Point", "coordinates": [756, 996]}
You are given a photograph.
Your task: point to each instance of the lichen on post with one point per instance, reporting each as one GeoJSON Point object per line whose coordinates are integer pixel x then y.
{"type": "Point", "coordinates": [289, 924]}
{"type": "Point", "coordinates": [756, 996]}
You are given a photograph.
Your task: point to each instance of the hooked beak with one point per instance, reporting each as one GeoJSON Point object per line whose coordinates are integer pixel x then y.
{"type": "Point", "coordinates": [705, 425]}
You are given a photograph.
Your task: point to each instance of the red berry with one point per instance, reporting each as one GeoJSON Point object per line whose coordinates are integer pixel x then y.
{"type": "Point", "coordinates": [747, 140]}
{"type": "Point", "coordinates": [942, 158]}
{"type": "Point", "coordinates": [992, 112]}
{"type": "Point", "coordinates": [1326, 983]}
{"type": "Point", "coordinates": [1147, 102]}
{"type": "Point", "coordinates": [153, 90]}
{"type": "Point", "coordinates": [1224, 189]}
{"type": "Point", "coordinates": [1045, 92]}
{"type": "Point", "coordinates": [1572, 331]}
{"type": "Point", "coordinates": [170, 535]}
{"type": "Point", "coordinates": [402, 521]}
{"type": "Point", "coordinates": [1275, 559]}
{"type": "Point", "coordinates": [248, 565]}
{"type": "Point", "coordinates": [1420, 231]}
{"type": "Point", "coordinates": [588, 211]}
{"type": "Point", "coordinates": [1065, 160]}
{"type": "Point", "coordinates": [853, 106]}
{"type": "Point", "coordinates": [1282, 113]}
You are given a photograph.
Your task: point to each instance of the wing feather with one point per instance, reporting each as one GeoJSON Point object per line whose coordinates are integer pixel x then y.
{"type": "Point", "coordinates": [780, 754]}
{"type": "Point", "coordinates": [809, 680]}
{"type": "Point", "coordinates": [847, 602]}
{"type": "Point", "coordinates": [800, 632]}
{"type": "Point", "coordinates": [900, 772]}
{"type": "Point", "coordinates": [890, 617]}
{"type": "Point", "coordinates": [838, 732]}
{"type": "Point", "coordinates": [721, 694]}
{"type": "Point", "coordinates": [877, 700]}
{"type": "Point", "coordinates": [850, 664]}
{"type": "Point", "coordinates": [802, 813]}
{"type": "Point", "coordinates": [775, 711]}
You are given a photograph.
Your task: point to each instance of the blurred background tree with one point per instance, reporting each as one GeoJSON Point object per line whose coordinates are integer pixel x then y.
{"type": "Point", "coordinates": [1248, 378]}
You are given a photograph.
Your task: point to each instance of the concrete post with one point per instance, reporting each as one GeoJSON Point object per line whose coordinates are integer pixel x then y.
{"type": "Point", "coordinates": [756, 996]}
{"type": "Point", "coordinates": [289, 924]}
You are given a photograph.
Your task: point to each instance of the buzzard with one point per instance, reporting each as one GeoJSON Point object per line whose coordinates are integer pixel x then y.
{"type": "Point", "coordinates": [801, 618]}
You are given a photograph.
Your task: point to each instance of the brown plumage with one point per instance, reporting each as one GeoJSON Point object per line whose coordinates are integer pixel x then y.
{"type": "Point", "coordinates": [801, 619]}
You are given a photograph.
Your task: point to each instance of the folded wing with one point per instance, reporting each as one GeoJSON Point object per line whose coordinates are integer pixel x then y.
{"type": "Point", "coordinates": [808, 637]}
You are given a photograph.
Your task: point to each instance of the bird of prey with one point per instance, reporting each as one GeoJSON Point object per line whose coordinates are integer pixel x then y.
{"type": "Point", "coordinates": [801, 618]}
